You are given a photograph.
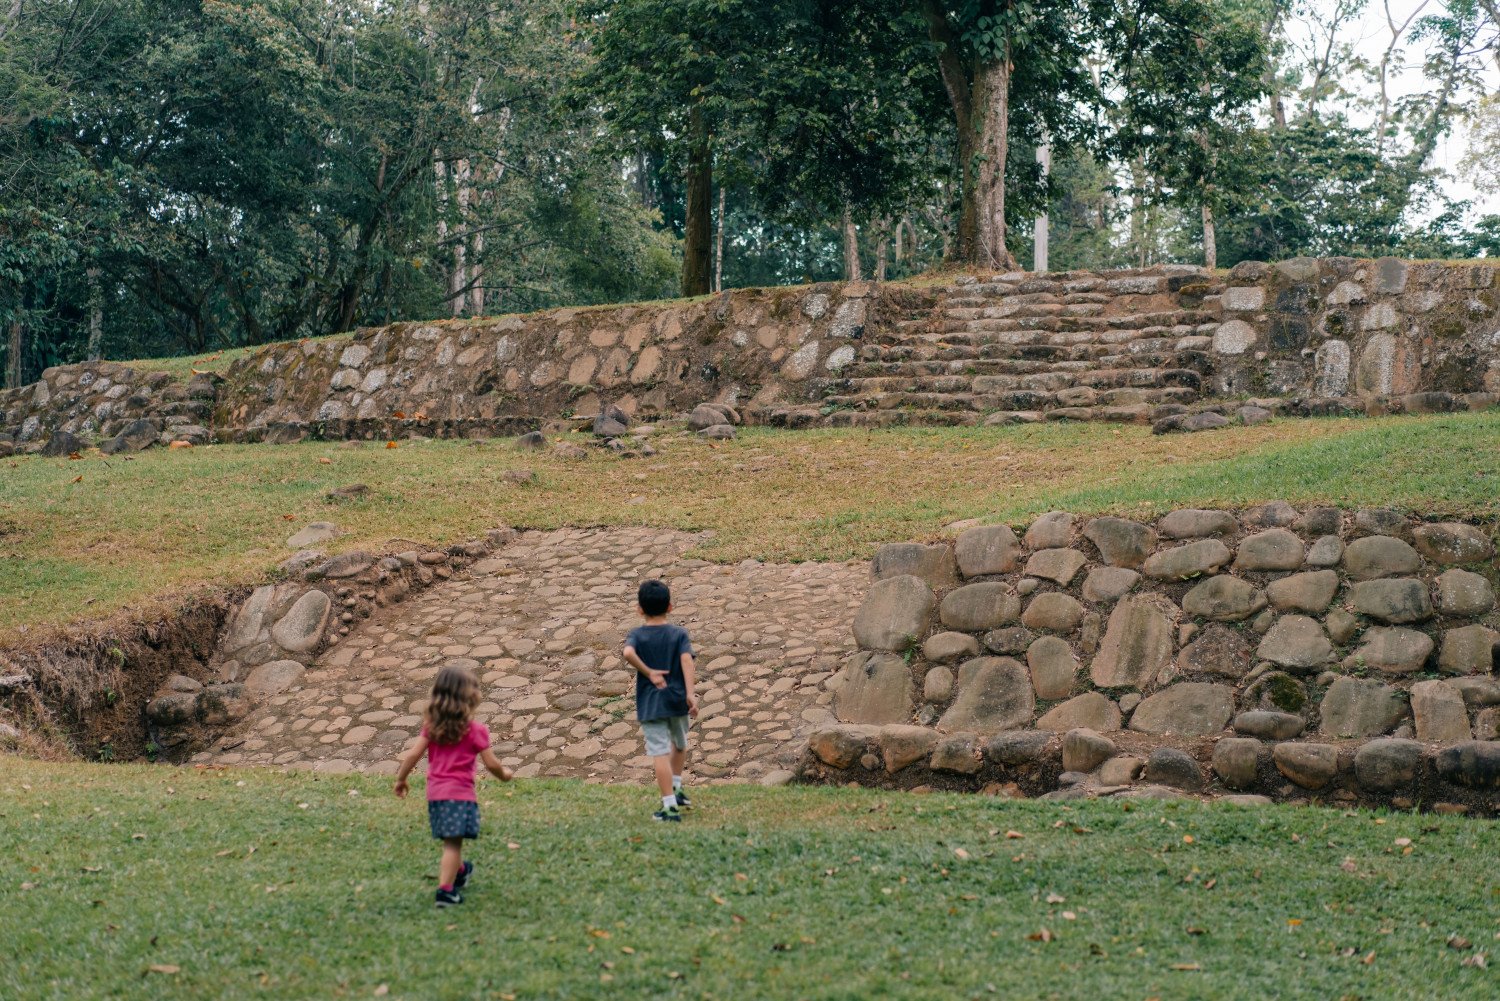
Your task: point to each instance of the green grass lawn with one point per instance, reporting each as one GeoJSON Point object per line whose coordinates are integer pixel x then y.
{"type": "Point", "coordinates": [89, 537]}
{"type": "Point", "coordinates": [155, 882]}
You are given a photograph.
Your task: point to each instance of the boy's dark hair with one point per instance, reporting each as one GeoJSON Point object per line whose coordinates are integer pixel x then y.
{"type": "Point", "coordinates": [655, 597]}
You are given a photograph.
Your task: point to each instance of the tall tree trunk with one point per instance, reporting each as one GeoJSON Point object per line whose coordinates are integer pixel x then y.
{"type": "Point", "coordinates": [458, 278]}
{"type": "Point", "coordinates": [96, 315]}
{"type": "Point", "coordinates": [476, 275]}
{"type": "Point", "coordinates": [980, 96]}
{"type": "Point", "coordinates": [1041, 229]}
{"type": "Point", "coordinates": [719, 245]}
{"type": "Point", "coordinates": [1210, 239]}
{"type": "Point", "coordinates": [851, 249]}
{"type": "Point", "coordinates": [14, 347]}
{"type": "Point", "coordinates": [882, 244]}
{"type": "Point", "coordinates": [900, 235]}
{"type": "Point", "coordinates": [1138, 212]}
{"type": "Point", "coordinates": [698, 222]}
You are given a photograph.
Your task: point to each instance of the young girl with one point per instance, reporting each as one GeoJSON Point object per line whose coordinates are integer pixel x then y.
{"type": "Point", "coordinates": [451, 738]}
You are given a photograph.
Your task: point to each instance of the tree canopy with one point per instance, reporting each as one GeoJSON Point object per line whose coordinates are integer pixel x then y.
{"type": "Point", "coordinates": [180, 176]}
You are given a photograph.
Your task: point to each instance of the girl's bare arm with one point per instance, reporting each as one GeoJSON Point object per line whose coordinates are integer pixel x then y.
{"type": "Point", "coordinates": [408, 762]}
{"type": "Point", "coordinates": [495, 767]}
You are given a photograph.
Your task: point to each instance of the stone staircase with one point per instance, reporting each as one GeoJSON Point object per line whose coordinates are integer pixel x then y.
{"type": "Point", "coordinates": [1121, 346]}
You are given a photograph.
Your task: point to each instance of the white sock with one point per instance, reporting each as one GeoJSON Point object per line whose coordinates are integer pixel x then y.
{"type": "Point", "coordinates": [668, 802]}
{"type": "Point", "coordinates": [676, 783]}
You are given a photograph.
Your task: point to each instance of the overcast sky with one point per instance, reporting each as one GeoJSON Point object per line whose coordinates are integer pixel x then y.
{"type": "Point", "coordinates": [1370, 36]}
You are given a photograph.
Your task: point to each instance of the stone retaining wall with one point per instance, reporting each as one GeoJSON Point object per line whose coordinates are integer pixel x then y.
{"type": "Point", "coordinates": [1334, 335]}
{"type": "Point", "coordinates": [270, 637]}
{"type": "Point", "coordinates": [1312, 654]}
{"type": "Point", "coordinates": [1339, 327]}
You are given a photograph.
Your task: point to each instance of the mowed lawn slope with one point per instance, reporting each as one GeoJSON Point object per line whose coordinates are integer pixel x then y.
{"type": "Point", "coordinates": [152, 882]}
{"type": "Point", "coordinates": [86, 538]}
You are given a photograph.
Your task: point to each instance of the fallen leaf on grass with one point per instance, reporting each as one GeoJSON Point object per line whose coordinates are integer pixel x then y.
{"type": "Point", "coordinates": [93, 868]}
{"type": "Point", "coordinates": [391, 444]}
{"type": "Point", "coordinates": [324, 460]}
{"type": "Point", "coordinates": [1044, 935]}
{"type": "Point", "coordinates": [1477, 961]}
{"type": "Point", "coordinates": [718, 900]}
{"type": "Point", "coordinates": [961, 854]}
{"type": "Point", "coordinates": [1014, 835]}
{"type": "Point", "coordinates": [1056, 898]}
{"type": "Point", "coordinates": [1186, 967]}
{"type": "Point", "coordinates": [382, 990]}
{"type": "Point", "coordinates": [77, 479]}
{"type": "Point", "coordinates": [512, 845]}
{"type": "Point", "coordinates": [166, 968]}
{"type": "Point", "coordinates": [1459, 942]}
{"type": "Point", "coordinates": [176, 445]}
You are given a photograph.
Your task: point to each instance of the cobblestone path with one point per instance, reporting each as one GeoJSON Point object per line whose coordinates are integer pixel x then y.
{"type": "Point", "coordinates": [542, 623]}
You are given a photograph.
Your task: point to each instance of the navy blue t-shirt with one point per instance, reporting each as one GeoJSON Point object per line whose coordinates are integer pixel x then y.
{"type": "Point", "coordinates": [661, 649]}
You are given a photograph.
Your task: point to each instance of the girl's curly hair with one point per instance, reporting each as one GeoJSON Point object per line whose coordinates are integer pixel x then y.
{"type": "Point", "coordinates": [455, 695]}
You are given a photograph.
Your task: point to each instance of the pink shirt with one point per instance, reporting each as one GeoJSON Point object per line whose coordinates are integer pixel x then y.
{"type": "Point", "coordinates": [450, 767]}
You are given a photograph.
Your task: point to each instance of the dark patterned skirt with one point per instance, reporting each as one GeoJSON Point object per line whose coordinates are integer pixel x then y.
{"type": "Point", "coordinates": [453, 818]}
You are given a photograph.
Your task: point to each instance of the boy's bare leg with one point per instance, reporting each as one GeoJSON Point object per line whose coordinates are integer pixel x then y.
{"type": "Point", "coordinates": [663, 765]}
{"type": "Point", "coordinates": [679, 762]}
{"type": "Point", "coordinates": [453, 860]}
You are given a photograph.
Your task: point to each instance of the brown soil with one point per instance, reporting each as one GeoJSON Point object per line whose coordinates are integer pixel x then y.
{"type": "Point", "coordinates": [88, 692]}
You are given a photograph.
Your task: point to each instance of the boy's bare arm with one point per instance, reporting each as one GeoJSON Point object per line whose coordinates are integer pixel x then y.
{"type": "Point", "coordinates": [657, 678]}
{"type": "Point", "coordinates": [689, 676]}
{"type": "Point", "coordinates": [408, 762]}
{"type": "Point", "coordinates": [496, 769]}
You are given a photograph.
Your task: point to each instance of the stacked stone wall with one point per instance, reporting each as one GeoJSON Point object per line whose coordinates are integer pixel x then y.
{"type": "Point", "coordinates": [1336, 335]}
{"type": "Point", "coordinates": [1341, 327]}
{"type": "Point", "coordinates": [271, 637]}
{"type": "Point", "coordinates": [1314, 654]}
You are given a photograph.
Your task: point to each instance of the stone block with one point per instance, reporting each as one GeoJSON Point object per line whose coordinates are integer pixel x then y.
{"type": "Point", "coordinates": [896, 613]}
{"type": "Point", "coordinates": [1186, 709]}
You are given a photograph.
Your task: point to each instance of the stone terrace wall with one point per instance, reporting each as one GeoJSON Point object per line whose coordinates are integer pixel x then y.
{"type": "Point", "coordinates": [1322, 336]}
{"type": "Point", "coordinates": [1318, 653]}
{"type": "Point", "coordinates": [1338, 327]}
{"type": "Point", "coordinates": [741, 347]}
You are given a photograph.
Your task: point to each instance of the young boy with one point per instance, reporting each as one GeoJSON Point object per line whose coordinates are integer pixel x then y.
{"type": "Point", "coordinates": [662, 656]}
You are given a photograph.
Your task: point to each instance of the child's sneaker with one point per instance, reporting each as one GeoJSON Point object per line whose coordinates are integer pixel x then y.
{"type": "Point", "coordinates": [668, 813]}
{"type": "Point", "coordinates": [683, 802]}
{"type": "Point", "coordinates": [462, 879]}
{"type": "Point", "coordinates": [447, 898]}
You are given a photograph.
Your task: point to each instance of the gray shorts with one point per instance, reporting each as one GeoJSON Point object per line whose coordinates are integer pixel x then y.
{"type": "Point", "coordinates": [664, 734]}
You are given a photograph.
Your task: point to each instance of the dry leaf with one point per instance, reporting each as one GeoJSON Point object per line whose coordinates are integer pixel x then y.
{"type": "Point", "coordinates": [1055, 898]}
{"type": "Point", "coordinates": [1186, 967]}
{"type": "Point", "coordinates": [1013, 835]}
{"type": "Point", "coordinates": [324, 460]}
{"type": "Point", "coordinates": [1069, 916]}
{"type": "Point", "coordinates": [391, 444]}
{"type": "Point", "coordinates": [512, 846]}
{"type": "Point", "coordinates": [1294, 922]}
{"type": "Point", "coordinates": [167, 968]}
{"type": "Point", "coordinates": [1368, 959]}
{"type": "Point", "coordinates": [1402, 842]}
{"type": "Point", "coordinates": [1044, 935]}
{"type": "Point", "coordinates": [400, 415]}
{"type": "Point", "coordinates": [961, 854]}
{"type": "Point", "coordinates": [78, 479]}
{"type": "Point", "coordinates": [93, 868]}
{"type": "Point", "coordinates": [1477, 960]}
{"type": "Point", "coordinates": [1459, 942]}
{"type": "Point", "coordinates": [178, 445]}
{"type": "Point", "coordinates": [382, 990]}
{"type": "Point", "coordinates": [718, 900]}
{"type": "Point", "coordinates": [74, 456]}
{"type": "Point", "coordinates": [1187, 839]}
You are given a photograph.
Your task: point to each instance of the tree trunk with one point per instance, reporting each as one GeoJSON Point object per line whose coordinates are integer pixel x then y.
{"type": "Point", "coordinates": [14, 347]}
{"type": "Point", "coordinates": [1210, 239]}
{"type": "Point", "coordinates": [1041, 229]}
{"type": "Point", "coordinates": [984, 170]}
{"type": "Point", "coordinates": [1138, 212]}
{"type": "Point", "coordinates": [719, 246]}
{"type": "Point", "coordinates": [851, 249]}
{"type": "Point", "coordinates": [882, 244]}
{"type": "Point", "coordinates": [96, 315]}
{"type": "Point", "coordinates": [458, 278]}
{"type": "Point", "coordinates": [698, 222]}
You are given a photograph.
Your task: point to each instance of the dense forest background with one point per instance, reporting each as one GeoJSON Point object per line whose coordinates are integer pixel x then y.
{"type": "Point", "coordinates": [180, 176]}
